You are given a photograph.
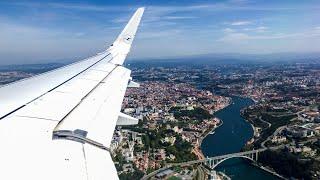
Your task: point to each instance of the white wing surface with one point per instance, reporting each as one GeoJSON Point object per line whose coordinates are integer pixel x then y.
{"type": "Point", "coordinates": [59, 125]}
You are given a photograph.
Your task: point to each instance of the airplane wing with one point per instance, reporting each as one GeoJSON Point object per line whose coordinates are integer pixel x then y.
{"type": "Point", "coordinates": [59, 125]}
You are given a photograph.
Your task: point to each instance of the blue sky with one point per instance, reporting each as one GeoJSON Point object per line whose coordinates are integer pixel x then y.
{"type": "Point", "coordinates": [49, 31]}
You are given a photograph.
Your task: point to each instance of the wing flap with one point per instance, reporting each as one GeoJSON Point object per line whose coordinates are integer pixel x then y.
{"type": "Point", "coordinates": [97, 113]}
{"type": "Point", "coordinates": [99, 163]}
{"type": "Point", "coordinates": [124, 120]}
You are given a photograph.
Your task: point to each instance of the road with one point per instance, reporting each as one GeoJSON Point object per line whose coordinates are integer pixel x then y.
{"type": "Point", "coordinates": [201, 173]}
{"type": "Point", "coordinates": [204, 160]}
{"type": "Point", "coordinates": [239, 154]}
{"type": "Point", "coordinates": [260, 118]}
{"type": "Point", "coordinates": [277, 131]}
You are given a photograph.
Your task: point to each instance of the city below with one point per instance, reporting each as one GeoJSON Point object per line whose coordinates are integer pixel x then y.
{"type": "Point", "coordinates": [200, 120]}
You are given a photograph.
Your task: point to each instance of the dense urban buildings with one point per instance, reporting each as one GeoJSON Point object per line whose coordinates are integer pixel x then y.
{"type": "Point", "coordinates": [286, 110]}
{"type": "Point", "coordinates": [176, 105]}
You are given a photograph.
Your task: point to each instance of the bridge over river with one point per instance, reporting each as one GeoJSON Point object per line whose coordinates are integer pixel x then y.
{"type": "Point", "coordinates": [213, 162]}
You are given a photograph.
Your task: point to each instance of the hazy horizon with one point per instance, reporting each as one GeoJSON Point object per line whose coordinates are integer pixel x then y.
{"type": "Point", "coordinates": [273, 57]}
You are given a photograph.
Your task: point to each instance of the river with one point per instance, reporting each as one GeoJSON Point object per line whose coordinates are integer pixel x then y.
{"type": "Point", "coordinates": [230, 138]}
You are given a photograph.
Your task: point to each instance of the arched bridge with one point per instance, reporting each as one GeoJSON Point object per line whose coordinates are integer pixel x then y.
{"type": "Point", "coordinates": [216, 160]}
{"type": "Point", "coordinates": [213, 162]}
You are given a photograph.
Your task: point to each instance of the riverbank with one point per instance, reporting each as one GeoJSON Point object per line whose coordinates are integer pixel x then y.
{"type": "Point", "coordinates": [269, 171]}
{"type": "Point", "coordinates": [209, 131]}
{"type": "Point", "coordinates": [251, 141]}
{"type": "Point", "coordinates": [204, 135]}
{"type": "Point", "coordinates": [230, 138]}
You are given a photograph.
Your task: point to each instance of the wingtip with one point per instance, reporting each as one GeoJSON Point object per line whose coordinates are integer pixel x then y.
{"type": "Point", "coordinates": [124, 41]}
{"type": "Point", "coordinates": [141, 8]}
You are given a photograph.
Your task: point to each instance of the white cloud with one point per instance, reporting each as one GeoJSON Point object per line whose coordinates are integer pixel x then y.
{"type": "Point", "coordinates": [238, 1]}
{"type": "Point", "coordinates": [152, 34]}
{"type": "Point", "coordinates": [48, 39]}
{"type": "Point", "coordinates": [120, 20]}
{"type": "Point", "coordinates": [179, 17]}
{"type": "Point", "coordinates": [239, 37]}
{"type": "Point", "coordinates": [262, 28]}
{"type": "Point", "coordinates": [79, 34]}
{"type": "Point", "coordinates": [72, 6]}
{"type": "Point", "coordinates": [240, 23]}
{"type": "Point", "coordinates": [38, 45]}
{"type": "Point", "coordinates": [259, 29]}
{"type": "Point", "coordinates": [234, 37]}
{"type": "Point", "coordinates": [226, 6]}
{"type": "Point", "coordinates": [228, 30]}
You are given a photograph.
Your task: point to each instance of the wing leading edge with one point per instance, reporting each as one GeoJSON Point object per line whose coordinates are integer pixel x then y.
{"type": "Point", "coordinates": [59, 125]}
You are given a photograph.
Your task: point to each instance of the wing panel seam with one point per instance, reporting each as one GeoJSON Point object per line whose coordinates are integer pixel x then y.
{"type": "Point", "coordinates": [55, 87]}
